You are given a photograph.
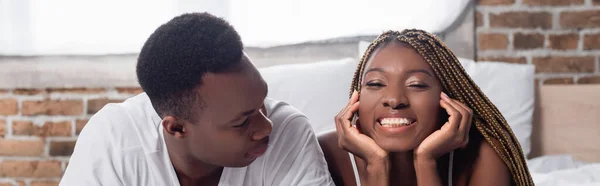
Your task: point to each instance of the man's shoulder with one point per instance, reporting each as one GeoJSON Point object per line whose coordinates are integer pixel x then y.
{"type": "Point", "coordinates": [120, 123]}
{"type": "Point", "coordinates": [115, 114]}
{"type": "Point", "coordinates": [279, 108]}
{"type": "Point", "coordinates": [284, 115]}
{"type": "Point", "coordinates": [292, 143]}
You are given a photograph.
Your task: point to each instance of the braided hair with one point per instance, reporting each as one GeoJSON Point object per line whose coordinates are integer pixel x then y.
{"type": "Point", "coordinates": [457, 84]}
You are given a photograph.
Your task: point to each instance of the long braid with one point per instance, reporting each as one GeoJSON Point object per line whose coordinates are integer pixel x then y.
{"type": "Point", "coordinates": [458, 84]}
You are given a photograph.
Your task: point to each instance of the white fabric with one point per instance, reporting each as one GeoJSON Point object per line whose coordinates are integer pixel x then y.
{"type": "Point", "coordinates": [563, 170]}
{"type": "Point", "coordinates": [511, 88]}
{"type": "Point", "coordinates": [355, 169]}
{"type": "Point", "coordinates": [123, 145]}
{"type": "Point", "coordinates": [31, 27]}
{"type": "Point", "coordinates": [319, 90]}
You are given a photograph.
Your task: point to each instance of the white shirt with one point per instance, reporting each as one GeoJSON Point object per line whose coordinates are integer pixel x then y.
{"type": "Point", "coordinates": [123, 145]}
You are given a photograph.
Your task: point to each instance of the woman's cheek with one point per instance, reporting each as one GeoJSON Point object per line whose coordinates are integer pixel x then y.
{"type": "Point", "coordinates": [366, 111]}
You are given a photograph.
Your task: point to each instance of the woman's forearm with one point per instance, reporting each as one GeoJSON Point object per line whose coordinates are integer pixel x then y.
{"type": "Point", "coordinates": [426, 170]}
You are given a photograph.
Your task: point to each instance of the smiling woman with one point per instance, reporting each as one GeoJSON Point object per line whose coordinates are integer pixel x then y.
{"type": "Point", "coordinates": [422, 89]}
{"type": "Point", "coordinates": [421, 121]}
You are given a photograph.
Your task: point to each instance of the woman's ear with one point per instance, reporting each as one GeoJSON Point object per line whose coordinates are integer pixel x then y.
{"type": "Point", "coordinates": [174, 126]}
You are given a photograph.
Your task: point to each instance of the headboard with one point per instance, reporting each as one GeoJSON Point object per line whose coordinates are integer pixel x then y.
{"type": "Point", "coordinates": [567, 121]}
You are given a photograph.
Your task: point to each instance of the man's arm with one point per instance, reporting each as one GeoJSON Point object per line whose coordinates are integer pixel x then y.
{"type": "Point", "coordinates": [93, 160]}
{"type": "Point", "coordinates": [297, 158]}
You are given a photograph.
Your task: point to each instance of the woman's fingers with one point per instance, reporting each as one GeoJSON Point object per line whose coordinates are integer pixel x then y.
{"type": "Point", "coordinates": [352, 100]}
{"type": "Point", "coordinates": [349, 115]}
{"type": "Point", "coordinates": [465, 120]}
{"type": "Point", "coordinates": [455, 116]}
{"type": "Point", "coordinates": [467, 113]}
{"type": "Point", "coordinates": [343, 120]}
{"type": "Point", "coordinates": [354, 97]}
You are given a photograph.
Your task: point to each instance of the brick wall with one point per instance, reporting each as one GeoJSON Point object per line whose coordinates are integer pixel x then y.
{"type": "Point", "coordinates": [560, 37]}
{"type": "Point", "coordinates": [38, 129]}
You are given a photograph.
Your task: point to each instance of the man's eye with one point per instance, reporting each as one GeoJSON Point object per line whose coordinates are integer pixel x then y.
{"type": "Point", "coordinates": [243, 124]}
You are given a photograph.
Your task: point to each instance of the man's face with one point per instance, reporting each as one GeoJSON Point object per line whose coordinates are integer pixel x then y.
{"type": "Point", "coordinates": [233, 128]}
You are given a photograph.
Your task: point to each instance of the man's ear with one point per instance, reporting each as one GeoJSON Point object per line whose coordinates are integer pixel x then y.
{"type": "Point", "coordinates": [174, 126]}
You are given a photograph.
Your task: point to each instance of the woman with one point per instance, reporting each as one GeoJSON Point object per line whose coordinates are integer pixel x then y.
{"type": "Point", "coordinates": [416, 118]}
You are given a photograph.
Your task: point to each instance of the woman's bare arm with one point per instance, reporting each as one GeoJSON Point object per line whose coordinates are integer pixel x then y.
{"type": "Point", "coordinates": [489, 169]}
{"type": "Point", "coordinates": [427, 173]}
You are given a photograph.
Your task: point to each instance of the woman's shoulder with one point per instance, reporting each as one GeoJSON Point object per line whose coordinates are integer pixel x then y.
{"type": "Point", "coordinates": [329, 144]}
{"type": "Point", "coordinates": [338, 160]}
{"type": "Point", "coordinates": [489, 167]}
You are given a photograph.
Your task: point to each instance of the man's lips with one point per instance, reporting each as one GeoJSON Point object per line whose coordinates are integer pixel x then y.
{"type": "Point", "coordinates": [260, 150]}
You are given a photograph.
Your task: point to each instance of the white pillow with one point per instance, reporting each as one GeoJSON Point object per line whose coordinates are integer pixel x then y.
{"type": "Point", "coordinates": [511, 88]}
{"type": "Point", "coordinates": [319, 90]}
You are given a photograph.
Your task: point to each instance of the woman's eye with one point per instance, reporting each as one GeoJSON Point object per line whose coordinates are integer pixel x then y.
{"type": "Point", "coordinates": [374, 84]}
{"type": "Point", "coordinates": [418, 85]}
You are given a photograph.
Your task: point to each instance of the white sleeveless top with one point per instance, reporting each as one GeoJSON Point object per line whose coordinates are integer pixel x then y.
{"type": "Point", "coordinates": [358, 178]}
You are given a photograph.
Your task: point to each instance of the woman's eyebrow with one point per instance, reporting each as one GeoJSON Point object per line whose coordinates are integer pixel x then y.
{"type": "Point", "coordinates": [374, 69]}
{"type": "Point", "coordinates": [420, 71]}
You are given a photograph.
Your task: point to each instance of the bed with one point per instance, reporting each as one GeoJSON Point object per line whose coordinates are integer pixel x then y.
{"type": "Point", "coordinates": [566, 132]}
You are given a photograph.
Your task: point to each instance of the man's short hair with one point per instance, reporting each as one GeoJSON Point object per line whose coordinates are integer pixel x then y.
{"type": "Point", "coordinates": [175, 57]}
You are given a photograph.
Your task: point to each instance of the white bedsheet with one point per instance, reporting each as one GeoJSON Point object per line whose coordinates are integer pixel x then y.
{"type": "Point", "coordinates": [563, 170]}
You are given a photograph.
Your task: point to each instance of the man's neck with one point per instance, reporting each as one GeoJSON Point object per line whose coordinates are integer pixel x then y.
{"type": "Point", "coordinates": [211, 179]}
{"type": "Point", "coordinates": [189, 170]}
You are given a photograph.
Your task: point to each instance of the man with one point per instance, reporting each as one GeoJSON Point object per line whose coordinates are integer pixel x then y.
{"type": "Point", "coordinates": [203, 119]}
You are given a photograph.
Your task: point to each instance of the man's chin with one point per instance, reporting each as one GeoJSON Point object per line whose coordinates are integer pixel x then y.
{"type": "Point", "coordinates": [243, 163]}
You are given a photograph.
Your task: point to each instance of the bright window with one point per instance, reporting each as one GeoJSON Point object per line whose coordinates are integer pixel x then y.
{"type": "Point", "coordinates": [99, 27]}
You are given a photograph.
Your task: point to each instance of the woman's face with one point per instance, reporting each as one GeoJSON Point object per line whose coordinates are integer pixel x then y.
{"type": "Point", "coordinates": [399, 98]}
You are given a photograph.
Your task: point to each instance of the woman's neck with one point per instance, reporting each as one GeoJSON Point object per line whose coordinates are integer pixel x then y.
{"type": "Point", "coordinates": [402, 171]}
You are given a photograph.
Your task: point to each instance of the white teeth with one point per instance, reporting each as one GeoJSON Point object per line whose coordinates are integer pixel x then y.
{"type": "Point", "coordinates": [395, 122]}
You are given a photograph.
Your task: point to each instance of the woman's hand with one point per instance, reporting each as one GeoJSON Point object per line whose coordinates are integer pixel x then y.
{"type": "Point", "coordinates": [453, 134]}
{"type": "Point", "coordinates": [351, 139]}
{"type": "Point", "coordinates": [372, 159]}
